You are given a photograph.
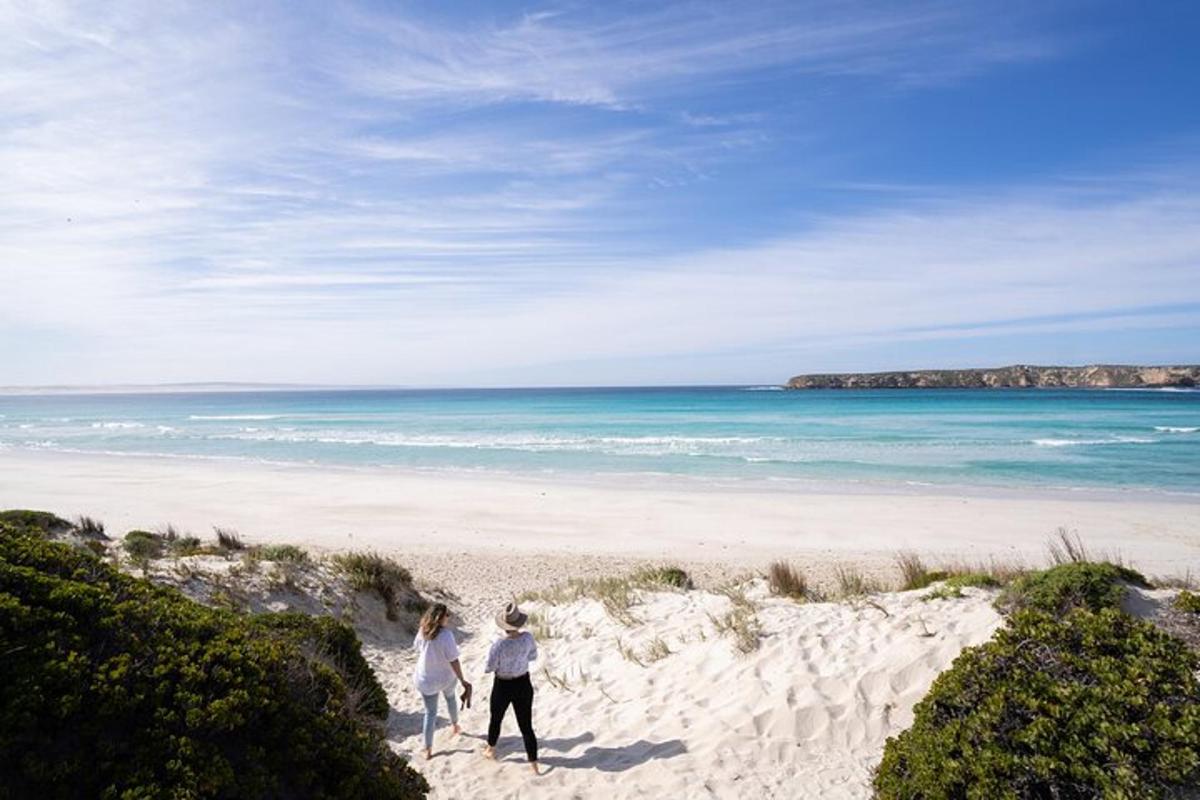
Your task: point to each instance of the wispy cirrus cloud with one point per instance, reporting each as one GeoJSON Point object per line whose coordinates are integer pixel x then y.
{"type": "Point", "coordinates": [354, 193]}
{"type": "Point", "coordinates": [617, 56]}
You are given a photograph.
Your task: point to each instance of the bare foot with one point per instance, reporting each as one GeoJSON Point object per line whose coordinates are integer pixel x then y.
{"type": "Point", "coordinates": [455, 730]}
{"type": "Point", "coordinates": [428, 753]}
{"type": "Point", "coordinates": [534, 766]}
{"type": "Point", "coordinates": [489, 752]}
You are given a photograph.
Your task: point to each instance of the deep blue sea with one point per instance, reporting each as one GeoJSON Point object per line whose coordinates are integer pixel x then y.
{"type": "Point", "coordinates": [1069, 439]}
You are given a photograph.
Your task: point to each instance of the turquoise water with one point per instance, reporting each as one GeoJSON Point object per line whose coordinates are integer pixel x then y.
{"type": "Point", "coordinates": [1146, 440]}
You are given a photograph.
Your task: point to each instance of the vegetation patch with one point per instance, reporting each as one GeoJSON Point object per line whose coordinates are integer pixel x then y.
{"type": "Point", "coordinates": [372, 572]}
{"type": "Point", "coordinates": [288, 553]}
{"type": "Point", "coordinates": [1070, 585]}
{"type": "Point", "coordinates": [663, 576]}
{"type": "Point", "coordinates": [35, 521]}
{"type": "Point", "coordinates": [852, 583]}
{"type": "Point", "coordinates": [112, 687]}
{"type": "Point", "coordinates": [1187, 602]}
{"type": "Point", "coordinates": [229, 541]}
{"type": "Point", "coordinates": [618, 595]}
{"type": "Point", "coordinates": [952, 587]}
{"type": "Point", "coordinates": [1093, 704]}
{"type": "Point", "coordinates": [143, 545]}
{"type": "Point", "coordinates": [784, 580]}
{"type": "Point", "coordinates": [740, 622]}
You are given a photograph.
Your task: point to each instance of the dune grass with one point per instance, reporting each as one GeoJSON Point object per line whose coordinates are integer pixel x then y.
{"type": "Point", "coordinates": [284, 553]}
{"type": "Point", "coordinates": [372, 572]}
{"type": "Point", "coordinates": [784, 580]}
{"type": "Point", "coordinates": [618, 595]}
{"type": "Point", "coordinates": [228, 540]}
{"type": "Point", "coordinates": [740, 622]}
{"type": "Point", "coordinates": [89, 527]}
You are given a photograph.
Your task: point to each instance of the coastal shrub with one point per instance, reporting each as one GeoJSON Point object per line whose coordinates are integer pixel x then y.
{"type": "Point", "coordinates": [1070, 585]}
{"type": "Point", "coordinates": [372, 572]}
{"type": "Point", "coordinates": [143, 545]}
{"type": "Point", "coordinates": [281, 552]}
{"type": "Point", "coordinates": [325, 639]}
{"type": "Point", "coordinates": [39, 521]}
{"type": "Point", "coordinates": [185, 545]}
{"type": "Point", "coordinates": [1187, 602]}
{"type": "Point", "coordinates": [784, 580]}
{"type": "Point", "coordinates": [112, 687]}
{"type": "Point", "coordinates": [666, 575]}
{"type": "Point", "coordinates": [1095, 704]}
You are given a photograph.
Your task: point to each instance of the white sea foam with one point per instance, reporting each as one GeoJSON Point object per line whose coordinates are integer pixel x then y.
{"type": "Point", "coordinates": [1174, 429]}
{"type": "Point", "coordinates": [632, 445]}
{"type": "Point", "coordinates": [117, 425]}
{"type": "Point", "coordinates": [1074, 442]}
{"type": "Point", "coordinates": [762, 389]}
{"type": "Point", "coordinates": [234, 416]}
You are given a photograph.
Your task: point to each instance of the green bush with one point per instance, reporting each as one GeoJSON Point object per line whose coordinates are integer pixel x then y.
{"type": "Point", "coordinates": [1072, 585]}
{"type": "Point", "coordinates": [185, 545]}
{"type": "Point", "coordinates": [1187, 602]}
{"type": "Point", "coordinates": [143, 545]}
{"type": "Point", "coordinates": [113, 688]}
{"type": "Point", "coordinates": [336, 644]}
{"type": "Point", "coordinates": [40, 521]}
{"type": "Point", "coordinates": [1096, 704]}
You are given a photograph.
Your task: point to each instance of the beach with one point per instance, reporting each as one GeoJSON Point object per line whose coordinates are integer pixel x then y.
{"type": "Point", "coordinates": [484, 516]}
{"type": "Point", "coordinates": [659, 701]}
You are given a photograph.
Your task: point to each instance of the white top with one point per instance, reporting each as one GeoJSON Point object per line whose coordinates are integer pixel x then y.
{"type": "Point", "coordinates": [510, 655]}
{"type": "Point", "coordinates": [434, 674]}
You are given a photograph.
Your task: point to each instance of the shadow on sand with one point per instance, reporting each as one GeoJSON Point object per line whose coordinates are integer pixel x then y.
{"type": "Point", "coordinates": [616, 759]}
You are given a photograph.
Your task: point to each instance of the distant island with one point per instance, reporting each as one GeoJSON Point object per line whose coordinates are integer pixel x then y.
{"type": "Point", "coordinates": [1098, 376]}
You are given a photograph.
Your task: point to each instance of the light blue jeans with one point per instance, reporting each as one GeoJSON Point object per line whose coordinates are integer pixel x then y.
{"type": "Point", "coordinates": [431, 704]}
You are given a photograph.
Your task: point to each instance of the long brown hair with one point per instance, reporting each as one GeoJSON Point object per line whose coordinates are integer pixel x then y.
{"type": "Point", "coordinates": [431, 620]}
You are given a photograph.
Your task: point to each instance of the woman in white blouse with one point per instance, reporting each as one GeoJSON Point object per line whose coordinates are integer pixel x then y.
{"type": "Point", "coordinates": [438, 669]}
{"type": "Point", "coordinates": [509, 659]}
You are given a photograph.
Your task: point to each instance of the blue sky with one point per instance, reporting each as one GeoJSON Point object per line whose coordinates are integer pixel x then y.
{"type": "Point", "coordinates": [579, 193]}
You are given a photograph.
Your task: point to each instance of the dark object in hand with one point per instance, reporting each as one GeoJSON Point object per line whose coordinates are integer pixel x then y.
{"type": "Point", "coordinates": [465, 697]}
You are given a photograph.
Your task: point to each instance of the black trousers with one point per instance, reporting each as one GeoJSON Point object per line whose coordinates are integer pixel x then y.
{"type": "Point", "coordinates": [517, 692]}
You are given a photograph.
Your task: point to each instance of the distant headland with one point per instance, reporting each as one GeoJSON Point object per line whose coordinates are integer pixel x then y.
{"type": "Point", "coordinates": [1097, 376]}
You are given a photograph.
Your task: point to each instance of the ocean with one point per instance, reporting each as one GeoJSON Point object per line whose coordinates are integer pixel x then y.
{"type": "Point", "coordinates": [1053, 439]}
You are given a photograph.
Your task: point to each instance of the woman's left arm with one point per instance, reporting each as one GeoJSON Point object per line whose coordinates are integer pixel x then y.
{"type": "Point", "coordinates": [454, 665]}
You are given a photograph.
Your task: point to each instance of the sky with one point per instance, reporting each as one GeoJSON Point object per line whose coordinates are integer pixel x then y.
{"type": "Point", "coordinates": [493, 193]}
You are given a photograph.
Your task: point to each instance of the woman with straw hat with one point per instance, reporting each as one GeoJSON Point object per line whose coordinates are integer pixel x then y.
{"type": "Point", "coordinates": [509, 659]}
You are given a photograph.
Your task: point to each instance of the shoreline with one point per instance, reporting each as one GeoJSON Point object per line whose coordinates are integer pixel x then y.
{"type": "Point", "coordinates": [637, 480]}
{"type": "Point", "coordinates": [486, 518]}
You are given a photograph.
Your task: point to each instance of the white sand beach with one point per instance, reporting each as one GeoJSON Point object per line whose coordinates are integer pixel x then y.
{"type": "Point", "coordinates": [454, 514]}
{"type": "Point", "coordinates": [664, 705]}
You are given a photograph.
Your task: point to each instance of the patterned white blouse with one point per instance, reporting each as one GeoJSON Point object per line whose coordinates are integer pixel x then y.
{"type": "Point", "coordinates": [509, 657]}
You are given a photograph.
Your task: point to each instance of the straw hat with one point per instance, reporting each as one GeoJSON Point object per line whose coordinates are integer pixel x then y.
{"type": "Point", "coordinates": [511, 618]}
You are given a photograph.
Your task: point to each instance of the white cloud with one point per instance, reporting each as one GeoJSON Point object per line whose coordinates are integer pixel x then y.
{"type": "Point", "coordinates": [191, 192]}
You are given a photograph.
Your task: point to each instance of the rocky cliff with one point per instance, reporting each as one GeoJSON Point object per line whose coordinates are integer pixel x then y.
{"type": "Point", "coordinates": [1018, 376]}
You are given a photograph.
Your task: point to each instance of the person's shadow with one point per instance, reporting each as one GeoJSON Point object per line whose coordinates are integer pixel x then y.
{"type": "Point", "coordinates": [604, 759]}
{"type": "Point", "coordinates": [618, 759]}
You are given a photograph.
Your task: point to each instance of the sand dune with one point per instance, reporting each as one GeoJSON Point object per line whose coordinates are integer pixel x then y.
{"type": "Point", "coordinates": [805, 715]}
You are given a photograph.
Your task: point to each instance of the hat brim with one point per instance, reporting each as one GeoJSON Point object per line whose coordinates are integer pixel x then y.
{"type": "Point", "coordinates": [503, 622]}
